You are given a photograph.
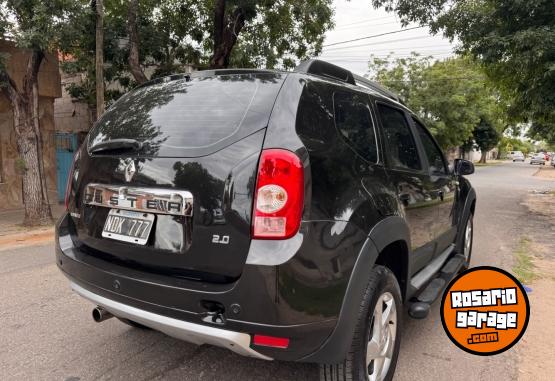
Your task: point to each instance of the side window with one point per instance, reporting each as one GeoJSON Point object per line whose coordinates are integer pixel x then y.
{"type": "Point", "coordinates": [354, 122]}
{"type": "Point", "coordinates": [433, 153]}
{"type": "Point", "coordinates": [399, 140]}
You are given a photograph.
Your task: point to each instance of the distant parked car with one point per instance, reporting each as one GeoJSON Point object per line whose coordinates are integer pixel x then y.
{"type": "Point", "coordinates": [538, 158]}
{"type": "Point", "coordinates": [518, 156]}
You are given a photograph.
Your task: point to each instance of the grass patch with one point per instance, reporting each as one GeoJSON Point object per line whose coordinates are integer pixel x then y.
{"type": "Point", "coordinates": [524, 268]}
{"type": "Point", "coordinates": [488, 163]}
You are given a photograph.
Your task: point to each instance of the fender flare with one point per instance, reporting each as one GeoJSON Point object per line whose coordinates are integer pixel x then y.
{"type": "Point", "coordinates": [470, 199]}
{"type": "Point", "coordinates": [337, 345]}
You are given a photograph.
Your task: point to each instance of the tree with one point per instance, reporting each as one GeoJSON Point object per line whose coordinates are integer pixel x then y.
{"type": "Point", "coordinates": [515, 40]}
{"type": "Point", "coordinates": [163, 36]}
{"type": "Point", "coordinates": [486, 137]}
{"type": "Point", "coordinates": [271, 30]}
{"type": "Point", "coordinates": [449, 95]}
{"type": "Point", "coordinates": [33, 25]}
{"type": "Point", "coordinates": [507, 144]}
{"type": "Point", "coordinates": [132, 30]}
{"type": "Point", "coordinates": [99, 56]}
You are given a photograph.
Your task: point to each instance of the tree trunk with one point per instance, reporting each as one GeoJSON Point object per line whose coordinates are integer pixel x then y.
{"type": "Point", "coordinates": [25, 106]}
{"type": "Point", "coordinates": [133, 59]}
{"type": "Point", "coordinates": [483, 157]}
{"type": "Point", "coordinates": [226, 32]}
{"type": "Point", "coordinates": [99, 53]}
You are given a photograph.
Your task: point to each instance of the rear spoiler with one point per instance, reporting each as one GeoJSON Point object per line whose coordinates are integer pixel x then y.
{"type": "Point", "coordinates": [326, 69]}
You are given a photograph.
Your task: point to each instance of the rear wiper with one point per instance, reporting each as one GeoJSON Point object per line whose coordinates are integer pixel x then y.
{"type": "Point", "coordinates": [117, 145]}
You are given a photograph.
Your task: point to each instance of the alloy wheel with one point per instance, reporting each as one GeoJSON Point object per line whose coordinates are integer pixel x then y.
{"type": "Point", "coordinates": [381, 341]}
{"type": "Point", "coordinates": [468, 240]}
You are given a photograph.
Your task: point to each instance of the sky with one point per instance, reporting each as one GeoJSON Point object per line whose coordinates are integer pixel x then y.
{"type": "Point", "coordinates": [357, 18]}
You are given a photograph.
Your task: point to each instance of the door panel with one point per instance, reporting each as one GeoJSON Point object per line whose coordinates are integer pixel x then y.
{"type": "Point", "coordinates": [418, 204]}
{"type": "Point", "coordinates": [443, 186]}
{"type": "Point", "coordinates": [407, 172]}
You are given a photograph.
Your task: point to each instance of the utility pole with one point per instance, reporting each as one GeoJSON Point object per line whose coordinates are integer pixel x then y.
{"type": "Point", "coordinates": [99, 10]}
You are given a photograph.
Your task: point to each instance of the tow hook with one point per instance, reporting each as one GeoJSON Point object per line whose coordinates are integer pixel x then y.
{"type": "Point", "coordinates": [214, 318]}
{"type": "Point", "coordinates": [215, 313]}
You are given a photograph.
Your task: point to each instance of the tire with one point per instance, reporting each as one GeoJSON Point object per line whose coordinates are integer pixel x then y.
{"type": "Point", "coordinates": [468, 241]}
{"type": "Point", "coordinates": [133, 324]}
{"type": "Point", "coordinates": [382, 287]}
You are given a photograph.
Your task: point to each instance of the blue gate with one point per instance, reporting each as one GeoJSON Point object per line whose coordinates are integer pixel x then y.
{"type": "Point", "coordinates": [66, 145]}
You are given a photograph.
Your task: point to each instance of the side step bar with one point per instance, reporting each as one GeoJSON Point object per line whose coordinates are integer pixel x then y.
{"type": "Point", "coordinates": [420, 307]}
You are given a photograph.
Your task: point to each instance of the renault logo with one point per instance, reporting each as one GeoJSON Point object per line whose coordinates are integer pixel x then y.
{"type": "Point", "coordinates": [129, 170]}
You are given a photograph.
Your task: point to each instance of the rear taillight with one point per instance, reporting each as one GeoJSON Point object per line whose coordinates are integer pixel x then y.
{"type": "Point", "coordinates": [279, 195]}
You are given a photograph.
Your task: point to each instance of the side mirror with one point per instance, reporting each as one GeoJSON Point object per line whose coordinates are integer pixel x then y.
{"type": "Point", "coordinates": [464, 167]}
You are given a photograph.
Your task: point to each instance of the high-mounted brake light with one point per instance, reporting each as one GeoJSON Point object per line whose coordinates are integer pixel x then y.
{"type": "Point", "coordinates": [279, 195]}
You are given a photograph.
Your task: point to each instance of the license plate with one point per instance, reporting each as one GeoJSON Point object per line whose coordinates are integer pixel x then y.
{"type": "Point", "coordinates": [128, 226]}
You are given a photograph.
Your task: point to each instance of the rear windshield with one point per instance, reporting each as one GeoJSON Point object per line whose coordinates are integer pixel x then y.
{"type": "Point", "coordinates": [187, 117]}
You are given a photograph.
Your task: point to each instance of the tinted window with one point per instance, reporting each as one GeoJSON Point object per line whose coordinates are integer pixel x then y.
{"type": "Point", "coordinates": [178, 115]}
{"type": "Point", "coordinates": [433, 153]}
{"type": "Point", "coordinates": [353, 120]}
{"type": "Point", "coordinates": [400, 142]}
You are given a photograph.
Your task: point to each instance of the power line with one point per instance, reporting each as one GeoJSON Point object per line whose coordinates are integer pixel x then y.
{"type": "Point", "coordinates": [380, 42]}
{"type": "Point", "coordinates": [350, 60]}
{"type": "Point", "coordinates": [389, 49]}
{"type": "Point", "coordinates": [373, 36]}
{"type": "Point", "coordinates": [365, 26]}
{"type": "Point", "coordinates": [387, 54]}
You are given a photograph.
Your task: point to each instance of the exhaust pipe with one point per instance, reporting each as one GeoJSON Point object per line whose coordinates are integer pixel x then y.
{"type": "Point", "coordinates": [99, 314]}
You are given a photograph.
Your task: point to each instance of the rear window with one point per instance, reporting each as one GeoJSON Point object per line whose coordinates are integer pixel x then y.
{"type": "Point", "coordinates": [187, 117]}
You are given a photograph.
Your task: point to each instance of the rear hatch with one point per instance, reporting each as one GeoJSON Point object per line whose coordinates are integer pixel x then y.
{"type": "Point", "coordinates": [165, 182]}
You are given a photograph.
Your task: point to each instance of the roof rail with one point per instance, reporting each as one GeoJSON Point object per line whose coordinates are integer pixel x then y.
{"type": "Point", "coordinates": [326, 69]}
{"type": "Point", "coordinates": [365, 82]}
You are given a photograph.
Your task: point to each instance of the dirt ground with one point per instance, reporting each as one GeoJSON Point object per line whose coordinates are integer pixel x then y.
{"type": "Point", "coordinates": [547, 172]}
{"type": "Point", "coordinates": [540, 335]}
{"type": "Point", "coordinates": [26, 238]}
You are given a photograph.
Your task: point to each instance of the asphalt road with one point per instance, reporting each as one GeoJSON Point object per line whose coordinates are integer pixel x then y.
{"type": "Point", "coordinates": [46, 332]}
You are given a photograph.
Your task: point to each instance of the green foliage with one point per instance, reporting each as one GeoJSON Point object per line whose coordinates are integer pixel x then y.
{"type": "Point", "coordinates": [283, 32]}
{"type": "Point", "coordinates": [450, 96]}
{"type": "Point", "coordinates": [515, 40]}
{"type": "Point", "coordinates": [507, 144]}
{"type": "Point", "coordinates": [35, 24]}
{"type": "Point", "coordinates": [174, 33]}
{"type": "Point", "coordinates": [485, 135]}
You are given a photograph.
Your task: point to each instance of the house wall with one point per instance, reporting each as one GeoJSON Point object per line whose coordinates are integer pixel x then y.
{"type": "Point", "coordinates": [49, 89]}
{"type": "Point", "coordinates": [70, 115]}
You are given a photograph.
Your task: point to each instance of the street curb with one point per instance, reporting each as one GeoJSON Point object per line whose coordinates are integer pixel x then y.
{"type": "Point", "coordinates": [24, 239]}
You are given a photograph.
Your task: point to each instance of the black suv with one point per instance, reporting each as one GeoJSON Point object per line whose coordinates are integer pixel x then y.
{"type": "Point", "coordinates": [281, 215]}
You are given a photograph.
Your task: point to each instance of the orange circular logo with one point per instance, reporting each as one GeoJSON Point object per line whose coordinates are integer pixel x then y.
{"type": "Point", "coordinates": [485, 311]}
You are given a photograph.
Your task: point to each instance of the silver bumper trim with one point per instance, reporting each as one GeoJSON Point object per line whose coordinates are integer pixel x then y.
{"type": "Point", "coordinates": [194, 333]}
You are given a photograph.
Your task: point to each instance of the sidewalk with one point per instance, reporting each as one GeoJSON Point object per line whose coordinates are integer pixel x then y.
{"type": "Point", "coordinates": [13, 234]}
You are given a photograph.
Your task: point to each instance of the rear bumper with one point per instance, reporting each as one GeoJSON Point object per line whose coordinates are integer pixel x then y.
{"type": "Point", "coordinates": [175, 307]}
{"type": "Point", "coordinates": [193, 333]}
